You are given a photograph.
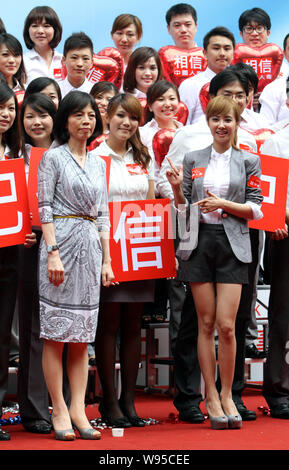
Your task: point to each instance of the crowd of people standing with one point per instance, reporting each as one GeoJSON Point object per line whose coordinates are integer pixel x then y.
{"type": "Point", "coordinates": [60, 284]}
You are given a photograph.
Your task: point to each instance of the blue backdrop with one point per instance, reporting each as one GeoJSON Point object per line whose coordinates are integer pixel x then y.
{"type": "Point", "coordinates": [95, 17]}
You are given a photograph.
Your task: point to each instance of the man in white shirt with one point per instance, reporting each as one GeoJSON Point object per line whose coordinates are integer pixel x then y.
{"type": "Point", "coordinates": [219, 44]}
{"type": "Point", "coordinates": [255, 29]}
{"type": "Point", "coordinates": [250, 120]}
{"type": "Point", "coordinates": [182, 25]}
{"type": "Point", "coordinates": [276, 370]}
{"type": "Point", "coordinates": [274, 98]}
{"type": "Point", "coordinates": [77, 58]}
{"type": "Point", "coordinates": [197, 136]}
{"type": "Point", "coordinates": [182, 320]}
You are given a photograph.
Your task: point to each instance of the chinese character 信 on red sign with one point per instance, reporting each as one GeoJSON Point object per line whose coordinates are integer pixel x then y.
{"type": "Point", "coordinates": [141, 240]}
{"type": "Point", "coordinates": [14, 209]}
{"type": "Point", "coordinates": [185, 65]}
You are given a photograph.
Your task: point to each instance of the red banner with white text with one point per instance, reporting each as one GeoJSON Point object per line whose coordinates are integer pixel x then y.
{"type": "Point", "coordinates": [274, 181]}
{"type": "Point", "coordinates": [141, 240]}
{"type": "Point", "coordinates": [14, 208]}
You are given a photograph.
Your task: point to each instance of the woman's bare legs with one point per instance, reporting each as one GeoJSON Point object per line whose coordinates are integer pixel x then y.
{"type": "Point", "coordinates": [217, 309]}
{"type": "Point", "coordinates": [53, 373]}
{"type": "Point", "coordinates": [205, 302]}
{"type": "Point", "coordinates": [228, 299]}
{"type": "Point", "coordinates": [77, 371]}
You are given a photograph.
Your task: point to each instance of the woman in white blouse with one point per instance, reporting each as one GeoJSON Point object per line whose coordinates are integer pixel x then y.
{"type": "Point", "coordinates": [221, 187]}
{"type": "Point", "coordinates": [42, 34]}
{"type": "Point", "coordinates": [162, 105]}
{"type": "Point", "coordinates": [121, 306]}
{"type": "Point", "coordinates": [143, 69]}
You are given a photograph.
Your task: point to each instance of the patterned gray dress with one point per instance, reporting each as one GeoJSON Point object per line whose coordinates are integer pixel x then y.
{"type": "Point", "coordinates": [69, 312]}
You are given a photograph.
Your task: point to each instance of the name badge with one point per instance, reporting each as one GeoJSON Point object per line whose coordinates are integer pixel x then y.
{"type": "Point", "coordinates": [136, 169]}
{"type": "Point", "coordinates": [246, 147]}
{"type": "Point", "coordinates": [254, 182]}
{"type": "Point", "coordinates": [57, 73]}
{"type": "Point", "coordinates": [198, 173]}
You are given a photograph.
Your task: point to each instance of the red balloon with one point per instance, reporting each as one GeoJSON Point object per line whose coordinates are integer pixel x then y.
{"type": "Point", "coordinates": [265, 60]}
{"type": "Point", "coordinates": [179, 64]}
{"type": "Point", "coordinates": [115, 55]}
{"type": "Point", "coordinates": [144, 106]}
{"type": "Point", "coordinates": [182, 113]}
{"type": "Point", "coordinates": [161, 144]}
{"type": "Point", "coordinates": [20, 97]}
{"type": "Point", "coordinates": [261, 135]}
{"type": "Point", "coordinates": [103, 69]}
{"type": "Point", "coordinates": [204, 96]}
{"type": "Point", "coordinates": [63, 71]}
{"type": "Point", "coordinates": [96, 142]}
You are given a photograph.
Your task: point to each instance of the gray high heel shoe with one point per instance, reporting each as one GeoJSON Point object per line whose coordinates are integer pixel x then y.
{"type": "Point", "coordinates": [234, 421]}
{"type": "Point", "coordinates": [64, 434]}
{"type": "Point", "coordinates": [88, 433]}
{"type": "Point", "coordinates": [218, 422]}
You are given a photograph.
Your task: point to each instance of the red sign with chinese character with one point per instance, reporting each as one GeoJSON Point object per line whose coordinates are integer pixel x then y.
{"type": "Point", "coordinates": [179, 64]}
{"type": "Point", "coordinates": [141, 240]}
{"type": "Point", "coordinates": [35, 157]}
{"type": "Point", "coordinates": [274, 181]}
{"type": "Point", "coordinates": [265, 60]}
{"type": "Point", "coordinates": [14, 209]}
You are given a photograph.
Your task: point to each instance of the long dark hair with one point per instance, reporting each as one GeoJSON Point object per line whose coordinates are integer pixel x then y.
{"type": "Point", "coordinates": [39, 103]}
{"type": "Point", "coordinates": [132, 106]}
{"type": "Point", "coordinates": [139, 57]}
{"type": "Point", "coordinates": [14, 46]}
{"type": "Point", "coordinates": [11, 138]}
{"type": "Point", "coordinates": [72, 103]}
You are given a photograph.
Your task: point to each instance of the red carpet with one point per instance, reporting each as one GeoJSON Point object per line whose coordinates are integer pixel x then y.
{"type": "Point", "coordinates": [265, 433]}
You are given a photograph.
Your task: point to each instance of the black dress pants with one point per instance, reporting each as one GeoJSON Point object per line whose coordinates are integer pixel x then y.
{"type": "Point", "coordinates": [276, 370]}
{"type": "Point", "coordinates": [8, 292]}
{"type": "Point", "coordinates": [32, 390]}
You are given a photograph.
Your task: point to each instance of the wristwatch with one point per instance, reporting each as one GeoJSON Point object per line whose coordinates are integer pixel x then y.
{"type": "Point", "coordinates": [51, 248]}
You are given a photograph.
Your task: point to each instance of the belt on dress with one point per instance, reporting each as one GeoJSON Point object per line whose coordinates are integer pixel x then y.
{"type": "Point", "coordinates": [72, 216]}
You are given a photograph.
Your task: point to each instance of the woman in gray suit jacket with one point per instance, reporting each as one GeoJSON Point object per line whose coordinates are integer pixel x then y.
{"type": "Point", "coordinates": [220, 188]}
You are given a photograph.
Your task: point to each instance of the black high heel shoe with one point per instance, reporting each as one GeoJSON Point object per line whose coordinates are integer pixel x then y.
{"type": "Point", "coordinates": [135, 421]}
{"type": "Point", "coordinates": [114, 422]}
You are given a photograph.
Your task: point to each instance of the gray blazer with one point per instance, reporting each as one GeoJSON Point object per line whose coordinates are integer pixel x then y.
{"type": "Point", "coordinates": [243, 165]}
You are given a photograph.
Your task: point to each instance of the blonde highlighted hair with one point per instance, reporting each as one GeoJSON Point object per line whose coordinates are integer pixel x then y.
{"type": "Point", "coordinates": [223, 105]}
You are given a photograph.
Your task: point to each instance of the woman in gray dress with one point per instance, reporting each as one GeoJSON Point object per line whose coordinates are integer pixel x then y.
{"type": "Point", "coordinates": [74, 256]}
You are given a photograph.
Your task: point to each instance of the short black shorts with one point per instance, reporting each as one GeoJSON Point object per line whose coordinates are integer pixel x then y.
{"type": "Point", "coordinates": [213, 259]}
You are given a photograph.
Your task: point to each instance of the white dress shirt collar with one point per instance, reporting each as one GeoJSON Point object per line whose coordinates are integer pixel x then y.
{"type": "Point", "coordinates": [111, 153]}
{"type": "Point", "coordinates": [225, 155]}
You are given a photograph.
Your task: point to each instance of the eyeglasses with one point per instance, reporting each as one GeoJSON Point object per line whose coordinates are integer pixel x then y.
{"type": "Point", "coordinates": [250, 29]}
{"type": "Point", "coordinates": [235, 96]}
